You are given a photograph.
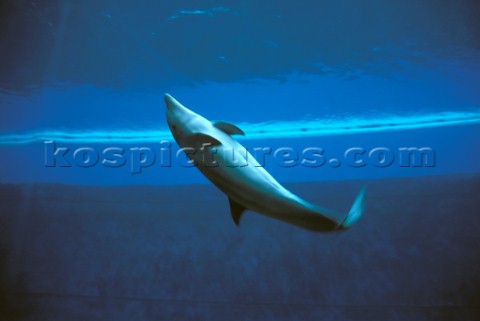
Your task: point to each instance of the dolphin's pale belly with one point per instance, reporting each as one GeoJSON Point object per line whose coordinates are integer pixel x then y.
{"type": "Point", "coordinates": [256, 190]}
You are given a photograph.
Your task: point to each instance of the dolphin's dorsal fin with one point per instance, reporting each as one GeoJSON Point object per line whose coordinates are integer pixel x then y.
{"type": "Point", "coordinates": [228, 128]}
{"type": "Point", "coordinates": [236, 210]}
{"type": "Point", "coordinates": [202, 139]}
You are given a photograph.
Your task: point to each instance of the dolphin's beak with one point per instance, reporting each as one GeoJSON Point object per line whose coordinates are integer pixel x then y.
{"type": "Point", "coordinates": [173, 106]}
{"type": "Point", "coordinates": [169, 101]}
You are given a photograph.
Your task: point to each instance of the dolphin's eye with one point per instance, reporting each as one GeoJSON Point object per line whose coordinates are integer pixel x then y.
{"type": "Point", "coordinates": [174, 127]}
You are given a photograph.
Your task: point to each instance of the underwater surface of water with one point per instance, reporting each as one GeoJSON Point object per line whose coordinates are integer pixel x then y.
{"type": "Point", "coordinates": [149, 241]}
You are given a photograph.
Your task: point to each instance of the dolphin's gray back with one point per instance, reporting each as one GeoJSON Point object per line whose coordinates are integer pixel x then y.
{"type": "Point", "coordinates": [255, 189]}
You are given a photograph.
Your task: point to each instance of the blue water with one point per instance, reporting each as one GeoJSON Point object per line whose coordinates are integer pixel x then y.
{"type": "Point", "coordinates": [331, 75]}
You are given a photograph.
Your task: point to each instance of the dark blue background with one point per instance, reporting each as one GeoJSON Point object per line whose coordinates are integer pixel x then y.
{"type": "Point", "coordinates": [84, 244]}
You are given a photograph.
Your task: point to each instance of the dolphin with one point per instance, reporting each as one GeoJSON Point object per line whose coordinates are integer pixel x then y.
{"type": "Point", "coordinates": [248, 186]}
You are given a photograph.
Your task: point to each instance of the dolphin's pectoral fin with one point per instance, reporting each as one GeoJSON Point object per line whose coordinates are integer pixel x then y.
{"type": "Point", "coordinates": [203, 139]}
{"type": "Point", "coordinates": [228, 128]}
{"type": "Point", "coordinates": [236, 210]}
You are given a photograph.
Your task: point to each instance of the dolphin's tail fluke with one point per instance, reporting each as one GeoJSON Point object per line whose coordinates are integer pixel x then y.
{"type": "Point", "coordinates": [327, 220]}
{"type": "Point", "coordinates": [356, 211]}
